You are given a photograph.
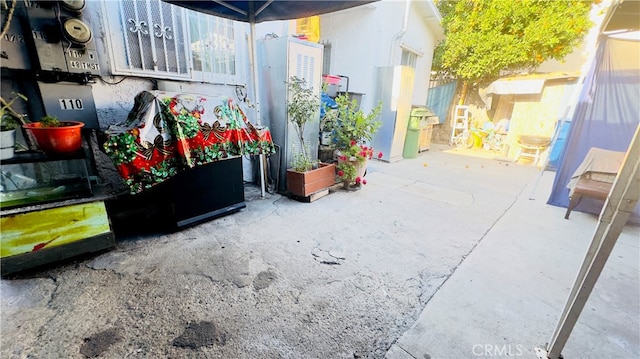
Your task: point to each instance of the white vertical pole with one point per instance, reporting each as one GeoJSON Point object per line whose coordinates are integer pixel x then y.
{"type": "Point", "coordinates": [256, 92]}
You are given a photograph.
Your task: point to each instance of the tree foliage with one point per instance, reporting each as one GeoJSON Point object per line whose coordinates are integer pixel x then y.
{"type": "Point", "coordinates": [485, 38]}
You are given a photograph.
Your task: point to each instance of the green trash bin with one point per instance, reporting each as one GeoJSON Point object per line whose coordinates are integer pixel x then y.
{"type": "Point", "coordinates": [412, 139]}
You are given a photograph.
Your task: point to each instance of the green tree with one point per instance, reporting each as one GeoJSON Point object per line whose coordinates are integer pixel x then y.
{"type": "Point", "coordinates": [488, 38]}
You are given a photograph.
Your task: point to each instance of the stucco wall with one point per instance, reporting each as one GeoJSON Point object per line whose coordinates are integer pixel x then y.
{"type": "Point", "coordinates": [358, 46]}
{"type": "Point", "coordinates": [419, 37]}
{"type": "Point", "coordinates": [535, 115]}
{"type": "Point", "coordinates": [361, 39]}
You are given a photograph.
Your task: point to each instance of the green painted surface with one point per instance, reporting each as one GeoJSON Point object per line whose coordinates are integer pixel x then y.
{"type": "Point", "coordinates": [26, 232]}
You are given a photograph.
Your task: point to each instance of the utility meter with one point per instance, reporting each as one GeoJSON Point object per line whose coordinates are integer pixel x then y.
{"type": "Point", "coordinates": [76, 31]}
{"type": "Point", "coordinates": [73, 5]}
{"type": "Point", "coordinates": [62, 37]}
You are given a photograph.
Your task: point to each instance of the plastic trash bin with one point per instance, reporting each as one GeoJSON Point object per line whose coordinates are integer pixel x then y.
{"type": "Point", "coordinates": [419, 131]}
{"type": "Point", "coordinates": [411, 140]}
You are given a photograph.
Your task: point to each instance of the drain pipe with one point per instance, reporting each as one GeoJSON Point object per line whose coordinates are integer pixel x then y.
{"type": "Point", "coordinates": [398, 37]}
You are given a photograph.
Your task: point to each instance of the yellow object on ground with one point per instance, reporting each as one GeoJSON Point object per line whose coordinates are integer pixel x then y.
{"type": "Point", "coordinates": [32, 231]}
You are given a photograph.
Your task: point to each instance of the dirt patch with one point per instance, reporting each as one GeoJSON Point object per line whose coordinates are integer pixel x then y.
{"type": "Point", "coordinates": [99, 343]}
{"type": "Point", "coordinates": [200, 334]}
{"type": "Point", "coordinates": [263, 280]}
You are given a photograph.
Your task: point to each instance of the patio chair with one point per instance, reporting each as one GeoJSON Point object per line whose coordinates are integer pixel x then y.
{"type": "Point", "coordinates": [594, 177]}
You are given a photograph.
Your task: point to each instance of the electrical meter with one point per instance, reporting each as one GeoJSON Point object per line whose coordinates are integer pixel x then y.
{"type": "Point", "coordinates": [73, 5]}
{"type": "Point", "coordinates": [62, 37]}
{"type": "Point", "coordinates": [76, 31]}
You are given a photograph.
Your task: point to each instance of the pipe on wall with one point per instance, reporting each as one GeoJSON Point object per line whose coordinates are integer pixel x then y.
{"type": "Point", "coordinates": [395, 43]}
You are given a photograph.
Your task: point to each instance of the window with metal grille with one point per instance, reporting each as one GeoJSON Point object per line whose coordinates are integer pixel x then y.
{"type": "Point", "coordinates": [155, 39]}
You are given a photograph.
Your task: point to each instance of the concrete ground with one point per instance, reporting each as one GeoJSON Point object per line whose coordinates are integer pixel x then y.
{"type": "Point", "coordinates": [435, 256]}
{"type": "Point", "coordinates": [505, 299]}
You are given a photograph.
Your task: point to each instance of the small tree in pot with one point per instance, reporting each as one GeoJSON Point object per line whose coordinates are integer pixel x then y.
{"type": "Point", "coordinates": [307, 176]}
{"type": "Point", "coordinates": [302, 106]}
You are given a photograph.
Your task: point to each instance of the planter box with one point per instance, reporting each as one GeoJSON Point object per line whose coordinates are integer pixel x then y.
{"type": "Point", "coordinates": [305, 183]}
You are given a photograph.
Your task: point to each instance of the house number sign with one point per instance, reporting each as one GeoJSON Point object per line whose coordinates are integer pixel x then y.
{"type": "Point", "coordinates": [70, 103]}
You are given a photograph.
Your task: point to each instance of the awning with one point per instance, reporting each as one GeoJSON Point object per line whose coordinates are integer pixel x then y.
{"type": "Point", "coordinates": [531, 84]}
{"type": "Point", "coordinates": [516, 87]}
{"type": "Point", "coordinates": [256, 11]}
{"type": "Point", "coordinates": [511, 87]}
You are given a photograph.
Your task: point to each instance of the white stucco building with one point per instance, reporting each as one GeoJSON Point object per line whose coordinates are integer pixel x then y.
{"type": "Point", "coordinates": [385, 33]}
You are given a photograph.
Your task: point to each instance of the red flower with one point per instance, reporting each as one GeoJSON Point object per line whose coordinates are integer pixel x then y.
{"type": "Point", "coordinates": [342, 158]}
{"type": "Point", "coordinates": [379, 154]}
{"type": "Point", "coordinates": [340, 173]}
{"type": "Point", "coordinates": [358, 180]}
{"type": "Point", "coordinates": [364, 181]}
{"type": "Point", "coordinates": [353, 142]}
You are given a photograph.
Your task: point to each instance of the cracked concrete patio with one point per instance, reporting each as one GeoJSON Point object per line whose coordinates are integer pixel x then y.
{"type": "Point", "coordinates": [342, 277]}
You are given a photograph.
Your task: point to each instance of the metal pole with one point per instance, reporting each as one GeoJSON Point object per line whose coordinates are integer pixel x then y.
{"type": "Point", "coordinates": [256, 92]}
{"type": "Point", "coordinates": [617, 210]}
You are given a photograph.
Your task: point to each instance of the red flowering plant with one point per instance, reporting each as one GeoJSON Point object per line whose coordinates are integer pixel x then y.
{"type": "Point", "coordinates": [352, 163]}
{"type": "Point", "coordinates": [352, 131]}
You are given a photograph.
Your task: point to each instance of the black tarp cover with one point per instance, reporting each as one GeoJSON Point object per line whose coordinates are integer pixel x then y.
{"type": "Point", "coordinates": [606, 116]}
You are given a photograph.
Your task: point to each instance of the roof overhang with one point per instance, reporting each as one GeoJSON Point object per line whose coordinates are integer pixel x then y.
{"type": "Point", "coordinates": [625, 17]}
{"type": "Point", "coordinates": [432, 18]}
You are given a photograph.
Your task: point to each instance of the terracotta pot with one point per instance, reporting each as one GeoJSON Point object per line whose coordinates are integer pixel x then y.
{"type": "Point", "coordinates": [64, 139]}
{"type": "Point", "coordinates": [351, 186]}
{"type": "Point", "coordinates": [361, 167]}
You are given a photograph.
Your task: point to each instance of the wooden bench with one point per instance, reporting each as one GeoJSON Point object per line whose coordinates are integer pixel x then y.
{"type": "Point", "coordinates": [587, 188]}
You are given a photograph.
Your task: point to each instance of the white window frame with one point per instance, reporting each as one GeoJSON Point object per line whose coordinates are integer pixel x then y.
{"type": "Point", "coordinates": [118, 52]}
{"type": "Point", "coordinates": [219, 41]}
{"type": "Point", "coordinates": [412, 52]}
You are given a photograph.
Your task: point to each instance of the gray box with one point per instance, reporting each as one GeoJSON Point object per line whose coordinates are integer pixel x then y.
{"type": "Point", "coordinates": [69, 102]}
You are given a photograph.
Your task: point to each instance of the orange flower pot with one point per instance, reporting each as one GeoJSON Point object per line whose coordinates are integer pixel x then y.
{"type": "Point", "coordinates": [65, 139]}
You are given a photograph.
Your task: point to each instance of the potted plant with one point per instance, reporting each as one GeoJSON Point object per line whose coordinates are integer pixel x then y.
{"type": "Point", "coordinates": [306, 176]}
{"type": "Point", "coordinates": [352, 132]}
{"type": "Point", "coordinates": [55, 137]}
{"type": "Point", "coordinates": [327, 123]}
{"type": "Point", "coordinates": [10, 120]}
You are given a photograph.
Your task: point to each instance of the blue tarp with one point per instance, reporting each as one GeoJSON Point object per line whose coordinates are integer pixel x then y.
{"type": "Point", "coordinates": [606, 116]}
{"type": "Point", "coordinates": [439, 99]}
{"type": "Point", "coordinates": [558, 146]}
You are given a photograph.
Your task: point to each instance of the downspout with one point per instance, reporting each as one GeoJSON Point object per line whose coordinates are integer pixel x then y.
{"type": "Point", "coordinates": [397, 38]}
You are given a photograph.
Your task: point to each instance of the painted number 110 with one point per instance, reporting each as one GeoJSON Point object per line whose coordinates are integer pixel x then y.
{"type": "Point", "coordinates": [70, 103]}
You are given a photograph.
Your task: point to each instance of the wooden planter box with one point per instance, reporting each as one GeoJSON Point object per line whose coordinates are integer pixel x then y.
{"type": "Point", "coordinates": [305, 183]}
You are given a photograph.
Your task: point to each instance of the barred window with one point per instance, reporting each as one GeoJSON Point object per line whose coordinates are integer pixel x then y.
{"type": "Point", "coordinates": [155, 39]}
